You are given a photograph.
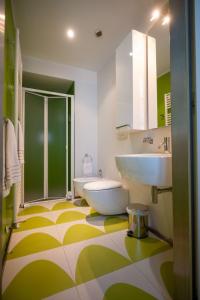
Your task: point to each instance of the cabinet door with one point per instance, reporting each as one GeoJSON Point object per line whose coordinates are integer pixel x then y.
{"type": "Point", "coordinates": [152, 84]}
{"type": "Point", "coordinates": [131, 82]}
{"type": "Point", "coordinates": [124, 83]}
{"type": "Point", "coordinates": [140, 113]}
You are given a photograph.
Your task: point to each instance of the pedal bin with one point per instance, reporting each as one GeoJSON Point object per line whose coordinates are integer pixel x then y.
{"type": "Point", "coordinates": [138, 220]}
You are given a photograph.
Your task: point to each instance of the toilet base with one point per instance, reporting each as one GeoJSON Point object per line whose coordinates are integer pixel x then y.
{"type": "Point", "coordinates": [112, 201]}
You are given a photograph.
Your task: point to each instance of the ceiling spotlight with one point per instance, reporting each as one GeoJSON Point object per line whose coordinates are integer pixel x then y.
{"type": "Point", "coordinates": [166, 20]}
{"type": "Point", "coordinates": [155, 15]}
{"type": "Point", "coordinates": [131, 53]}
{"type": "Point", "coordinates": [98, 33]}
{"type": "Point", "coordinates": [70, 33]}
{"type": "Point", "coordinates": [2, 17]}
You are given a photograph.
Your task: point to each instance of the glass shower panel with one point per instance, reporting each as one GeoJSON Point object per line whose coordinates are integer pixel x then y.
{"type": "Point", "coordinates": [57, 131]}
{"type": "Point", "coordinates": [34, 147]}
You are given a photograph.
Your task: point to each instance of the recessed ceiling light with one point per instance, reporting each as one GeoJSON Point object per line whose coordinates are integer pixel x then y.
{"type": "Point", "coordinates": [166, 20]}
{"type": "Point", "coordinates": [98, 33]}
{"type": "Point", "coordinates": [70, 33]}
{"type": "Point", "coordinates": [155, 15]}
{"type": "Point", "coordinates": [131, 53]}
{"type": "Point", "coordinates": [2, 17]}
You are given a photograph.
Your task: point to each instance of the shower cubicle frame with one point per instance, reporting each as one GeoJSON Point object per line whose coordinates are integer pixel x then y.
{"type": "Point", "coordinates": [50, 94]}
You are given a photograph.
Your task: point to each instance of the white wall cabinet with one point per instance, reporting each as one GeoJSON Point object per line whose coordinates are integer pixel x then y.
{"type": "Point", "coordinates": [131, 83]}
{"type": "Point", "coordinates": [152, 83]}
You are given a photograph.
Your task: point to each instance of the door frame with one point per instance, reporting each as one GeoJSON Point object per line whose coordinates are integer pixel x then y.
{"type": "Point", "coordinates": [2, 66]}
{"type": "Point", "coordinates": [196, 93]}
{"type": "Point", "coordinates": [183, 148]}
{"type": "Point", "coordinates": [72, 148]}
{"type": "Point", "coordinates": [18, 115]}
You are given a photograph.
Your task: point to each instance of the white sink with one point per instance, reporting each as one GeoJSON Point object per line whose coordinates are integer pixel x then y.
{"type": "Point", "coordinates": [152, 169]}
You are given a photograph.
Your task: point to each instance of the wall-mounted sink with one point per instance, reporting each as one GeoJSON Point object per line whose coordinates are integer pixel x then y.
{"type": "Point", "coordinates": [152, 169]}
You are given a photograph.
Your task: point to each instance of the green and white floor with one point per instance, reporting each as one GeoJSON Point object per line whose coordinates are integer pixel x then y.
{"type": "Point", "coordinates": [66, 251]}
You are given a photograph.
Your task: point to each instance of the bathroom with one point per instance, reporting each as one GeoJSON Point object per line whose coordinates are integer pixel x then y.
{"type": "Point", "coordinates": [94, 87]}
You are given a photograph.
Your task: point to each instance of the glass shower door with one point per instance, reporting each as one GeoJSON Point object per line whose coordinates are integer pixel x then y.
{"type": "Point", "coordinates": [46, 153]}
{"type": "Point", "coordinates": [57, 150]}
{"type": "Point", "coordinates": [34, 147]}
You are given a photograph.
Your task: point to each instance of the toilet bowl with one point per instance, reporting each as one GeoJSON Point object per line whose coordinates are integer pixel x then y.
{"type": "Point", "coordinates": [107, 197]}
{"type": "Point", "coordinates": [80, 182]}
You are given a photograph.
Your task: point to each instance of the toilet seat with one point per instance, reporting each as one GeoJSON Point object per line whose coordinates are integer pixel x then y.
{"type": "Point", "coordinates": [80, 182]}
{"type": "Point", "coordinates": [86, 179]}
{"type": "Point", "coordinates": [102, 185]}
{"type": "Point", "coordinates": [107, 197]}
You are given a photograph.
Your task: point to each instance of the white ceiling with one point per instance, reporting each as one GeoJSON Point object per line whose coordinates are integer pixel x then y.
{"type": "Point", "coordinates": [43, 24]}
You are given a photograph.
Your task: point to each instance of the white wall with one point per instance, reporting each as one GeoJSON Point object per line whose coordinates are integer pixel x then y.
{"type": "Point", "coordinates": [85, 104]}
{"type": "Point", "coordinates": [109, 145]}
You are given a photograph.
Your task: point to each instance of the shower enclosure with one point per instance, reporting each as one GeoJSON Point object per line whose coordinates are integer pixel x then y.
{"type": "Point", "coordinates": [49, 144]}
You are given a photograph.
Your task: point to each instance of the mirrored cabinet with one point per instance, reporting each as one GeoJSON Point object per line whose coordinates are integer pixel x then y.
{"type": "Point", "coordinates": [160, 34]}
{"type": "Point", "coordinates": [143, 97]}
{"type": "Point", "coordinates": [131, 82]}
{"type": "Point", "coordinates": [135, 67]}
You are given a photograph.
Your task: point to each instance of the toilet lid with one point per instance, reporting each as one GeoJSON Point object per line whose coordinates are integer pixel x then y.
{"type": "Point", "coordinates": [87, 179]}
{"type": "Point", "coordinates": [102, 185]}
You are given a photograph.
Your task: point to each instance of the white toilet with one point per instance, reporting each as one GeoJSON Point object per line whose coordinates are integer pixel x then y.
{"type": "Point", "coordinates": [107, 197]}
{"type": "Point", "coordinates": [80, 182]}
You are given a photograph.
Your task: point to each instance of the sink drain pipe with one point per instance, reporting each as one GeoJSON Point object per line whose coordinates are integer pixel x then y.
{"type": "Point", "coordinates": [155, 191]}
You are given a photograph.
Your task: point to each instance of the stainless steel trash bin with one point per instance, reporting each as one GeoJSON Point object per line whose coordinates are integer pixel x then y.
{"type": "Point", "coordinates": [138, 220]}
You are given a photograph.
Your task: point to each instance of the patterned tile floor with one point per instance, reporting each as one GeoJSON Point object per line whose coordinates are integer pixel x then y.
{"type": "Point", "coordinates": [66, 251]}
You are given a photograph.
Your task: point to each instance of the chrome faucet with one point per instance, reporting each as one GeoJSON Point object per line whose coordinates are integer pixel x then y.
{"type": "Point", "coordinates": [148, 140]}
{"type": "Point", "coordinates": [166, 144]}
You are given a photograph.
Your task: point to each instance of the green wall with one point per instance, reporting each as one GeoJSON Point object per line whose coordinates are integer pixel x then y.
{"type": "Point", "coordinates": [8, 106]}
{"type": "Point", "coordinates": [163, 87]}
{"type": "Point", "coordinates": [71, 89]}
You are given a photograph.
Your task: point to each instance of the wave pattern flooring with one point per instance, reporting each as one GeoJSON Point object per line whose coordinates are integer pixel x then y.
{"type": "Point", "coordinates": [66, 250]}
